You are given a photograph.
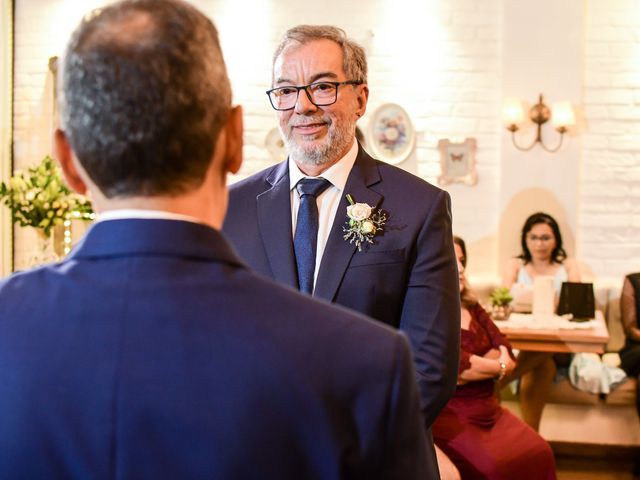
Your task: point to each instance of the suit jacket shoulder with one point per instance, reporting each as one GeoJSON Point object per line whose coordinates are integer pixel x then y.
{"type": "Point", "coordinates": [173, 350]}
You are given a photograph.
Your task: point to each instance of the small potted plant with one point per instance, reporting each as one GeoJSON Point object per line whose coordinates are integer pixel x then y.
{"type": "Point", "coordinates": [501, 299]}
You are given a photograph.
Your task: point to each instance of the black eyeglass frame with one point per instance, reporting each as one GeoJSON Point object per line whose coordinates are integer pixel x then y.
{"type": "Point", "coordinates": [306, 90]}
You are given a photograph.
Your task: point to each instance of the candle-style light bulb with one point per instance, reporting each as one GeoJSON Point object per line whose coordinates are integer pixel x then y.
{"type": "Point", "coordinates": [512, 113]}
{"type": "Point", "coordinates": [562, 115]}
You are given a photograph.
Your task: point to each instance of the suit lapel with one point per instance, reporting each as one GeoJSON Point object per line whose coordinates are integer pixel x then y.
{"type": "Point", "coordinates": [338, 252]}
{"type": "Point", "coordinates": [274, 221]}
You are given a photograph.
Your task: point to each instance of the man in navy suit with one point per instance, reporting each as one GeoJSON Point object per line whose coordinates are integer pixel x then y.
{"type": "Point", "coordinates": [152, 352]}
{"type": "Point", "coordinates": [403, 270]}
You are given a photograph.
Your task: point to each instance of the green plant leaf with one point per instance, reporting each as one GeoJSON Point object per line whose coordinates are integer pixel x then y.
{"type": "Point", "coordinates": [39, 197]}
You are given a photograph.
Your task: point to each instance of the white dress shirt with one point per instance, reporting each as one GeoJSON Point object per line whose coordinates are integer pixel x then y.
{"type": "Point", "coordinates": [327, 201]}
{"type": "Point", "coordinates": [126, 213]}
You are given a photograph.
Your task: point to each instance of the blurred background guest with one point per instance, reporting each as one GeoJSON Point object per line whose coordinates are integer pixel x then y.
{"type": "Point", "coordinates": [482, 439]}
{"type": "Point", "coordinates": [542, 255]}
{"type": "Point", "coordinates": [629, 307]}
{"type": "Point", "coordinates": [630, 353]}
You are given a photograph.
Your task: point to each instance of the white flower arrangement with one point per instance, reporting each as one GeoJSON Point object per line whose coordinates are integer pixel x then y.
{"type": "Point", "coordinates": [364, 222]}
{"type": "Point", "coordinates": [38, 197]}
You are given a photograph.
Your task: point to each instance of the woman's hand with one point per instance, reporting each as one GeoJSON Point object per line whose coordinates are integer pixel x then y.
{"type": "Point", "coordinates": [493, 354]}
{"type": "Point", "coordinates": [484, 368]}
{"type": "Point", "coordinates": [508, 362]}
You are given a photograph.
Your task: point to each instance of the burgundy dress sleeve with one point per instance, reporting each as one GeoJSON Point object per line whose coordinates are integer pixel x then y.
{"type": "Point", "coordinates": [495, 336]}
{"type": "Point", "coordinates": [465, 360]}
{"type": "Point", "coordinates": [473, 341]}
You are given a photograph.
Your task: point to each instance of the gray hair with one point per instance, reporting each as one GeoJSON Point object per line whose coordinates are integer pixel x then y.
{"type": "Point", "coordinates": [354, 59]}
{"type": "Point", "coordinates": [144, 94]}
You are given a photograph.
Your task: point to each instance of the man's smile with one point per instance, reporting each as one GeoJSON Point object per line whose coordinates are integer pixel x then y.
{"type": "Point", "coordinates": [310, 128]}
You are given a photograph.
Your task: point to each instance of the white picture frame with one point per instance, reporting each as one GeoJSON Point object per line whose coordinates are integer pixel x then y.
{"type": "Point", "coordinates": [458, 162]}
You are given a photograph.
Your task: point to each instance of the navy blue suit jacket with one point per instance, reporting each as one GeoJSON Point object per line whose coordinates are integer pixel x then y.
{"type": "Point", "coordinates": [151, 352]}
{"type": "Point", "coordinates": [408, 279]}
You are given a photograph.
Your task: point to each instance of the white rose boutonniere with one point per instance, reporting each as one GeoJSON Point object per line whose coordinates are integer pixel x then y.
{"type": "Point", "coordinates": [364, 221]}
{"type": "Point", "coordinates": [358, 211]}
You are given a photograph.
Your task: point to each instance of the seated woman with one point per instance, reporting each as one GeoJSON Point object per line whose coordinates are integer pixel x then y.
{"type": "Point", "coordinates": [542, 255]}
{"type": "Point", "coordinates": [629, 308]}
{"type": "Point", "coordinates": [481, 438]}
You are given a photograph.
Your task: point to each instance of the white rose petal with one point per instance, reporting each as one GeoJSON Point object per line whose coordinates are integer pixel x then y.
{"type": "Point", "coordinates": [359, 211]}
{"type": "Point", "coordinates": [368, 227]}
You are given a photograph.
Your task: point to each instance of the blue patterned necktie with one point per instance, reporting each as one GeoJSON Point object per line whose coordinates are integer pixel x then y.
{"type": "Point", "coordinates": [306, 238]}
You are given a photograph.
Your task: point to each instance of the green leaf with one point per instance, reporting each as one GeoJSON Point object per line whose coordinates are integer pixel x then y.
{"type": "Point", "coordinates": [39, 198]}
{"type": "Point", "coordinates": [501, 296]}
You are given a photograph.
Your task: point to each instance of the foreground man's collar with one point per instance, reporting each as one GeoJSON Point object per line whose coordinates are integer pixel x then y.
{"type": "Point", "coordinates": [123, 213]}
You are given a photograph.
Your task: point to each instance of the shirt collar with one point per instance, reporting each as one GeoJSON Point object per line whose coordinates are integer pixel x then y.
{"type": "Point", "coordinates": [337, 173]}
{"type": "Point", "coordinates": [123, 213]}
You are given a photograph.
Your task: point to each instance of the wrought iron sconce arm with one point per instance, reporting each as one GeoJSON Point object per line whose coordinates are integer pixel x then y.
{"type": "Point", "coordinates": [538, 114]}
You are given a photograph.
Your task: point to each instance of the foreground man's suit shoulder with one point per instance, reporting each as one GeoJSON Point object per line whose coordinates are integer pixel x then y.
{"type": "Point", "coordinates": [407, 279]}
{"type": "Point", "coordinates": [143, 379]}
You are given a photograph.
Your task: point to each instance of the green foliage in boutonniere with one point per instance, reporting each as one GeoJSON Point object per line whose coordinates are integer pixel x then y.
{"type": "Point", "coordinates": [363, 223]}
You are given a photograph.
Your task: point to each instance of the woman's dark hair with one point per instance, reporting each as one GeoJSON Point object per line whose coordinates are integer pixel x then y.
{"type": "Point", "coordinates": [558, 254]}
{"type": "Point", "coordinates": [467, 298]}
{"type": "Point", "coordinates": [460, 242]}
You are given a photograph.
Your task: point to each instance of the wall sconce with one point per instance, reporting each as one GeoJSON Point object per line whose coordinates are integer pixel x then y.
{"type": "Point", "coordinates": [561, 118]}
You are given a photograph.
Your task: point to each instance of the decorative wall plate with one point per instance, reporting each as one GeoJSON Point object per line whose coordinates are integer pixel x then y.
{"type": "Point", "coordinates": [391, 134]}
{"type": "Point", "coordinates": [275, 145]}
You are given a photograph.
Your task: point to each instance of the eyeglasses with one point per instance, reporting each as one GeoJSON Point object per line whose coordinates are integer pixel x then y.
{"type": "Point", "coordinates": [541, 238]}
{"type": "Point", "coordinates": [320, 94]}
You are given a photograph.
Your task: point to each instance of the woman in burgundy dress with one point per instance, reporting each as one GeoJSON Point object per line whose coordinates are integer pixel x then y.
{"type": "Point", "coordinates": [480, 437]}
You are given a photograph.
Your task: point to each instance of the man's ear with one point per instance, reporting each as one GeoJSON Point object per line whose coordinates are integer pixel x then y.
{"type": "Point", "coordinates": [64, 155]}
{"type": "Point", "coordinates": [363, 98]}
{"type": "Point", "coordinates": [234, 129]}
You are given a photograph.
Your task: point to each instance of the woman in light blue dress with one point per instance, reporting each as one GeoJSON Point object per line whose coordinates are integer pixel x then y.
{"type": "Point", "coordinates": [542, 255]}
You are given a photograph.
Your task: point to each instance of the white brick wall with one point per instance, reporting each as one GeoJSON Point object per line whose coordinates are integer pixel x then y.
{"type": "Point", "coordinates": [441, 60]}
{"type": "Point", "coordinates": [609, 219]}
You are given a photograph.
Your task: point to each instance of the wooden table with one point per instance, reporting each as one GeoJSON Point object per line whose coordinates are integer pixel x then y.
{"type": "Point", "coordinates": [558, 340]}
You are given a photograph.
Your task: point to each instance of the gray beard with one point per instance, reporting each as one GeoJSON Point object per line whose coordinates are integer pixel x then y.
{"type": "Point", "coordinates": [328, 152]}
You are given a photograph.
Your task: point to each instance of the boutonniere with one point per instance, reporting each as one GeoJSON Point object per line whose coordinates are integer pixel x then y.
{"type": "Point", "coordinates": [363, 222]}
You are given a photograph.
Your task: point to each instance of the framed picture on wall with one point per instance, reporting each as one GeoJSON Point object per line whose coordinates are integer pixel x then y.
{"type": "Point", "coordinates": [457, 162]}
{"type": "Point", "coordinates": [391, 134]}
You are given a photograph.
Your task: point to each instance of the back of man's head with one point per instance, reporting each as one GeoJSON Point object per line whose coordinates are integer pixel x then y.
{"type": "Point", "coordinates": [144, 94]}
